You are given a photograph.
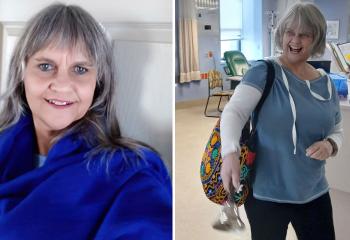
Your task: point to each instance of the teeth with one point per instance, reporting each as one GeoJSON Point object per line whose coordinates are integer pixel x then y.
{"type": "Point", "coordinates": [295, 49]}
{"type": "Point", "coordinates": [58, 103]}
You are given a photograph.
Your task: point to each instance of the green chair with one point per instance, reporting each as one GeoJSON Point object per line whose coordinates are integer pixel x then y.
{"type": "Point", "coordinates": [237, 65]}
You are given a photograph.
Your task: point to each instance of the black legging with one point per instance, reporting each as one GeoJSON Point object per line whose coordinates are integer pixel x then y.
{"type": "Point", "coordinates": [269, 220]}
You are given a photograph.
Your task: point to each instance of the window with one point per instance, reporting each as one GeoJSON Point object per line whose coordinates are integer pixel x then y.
{"type": "Point", "coordinates": [231, 33]}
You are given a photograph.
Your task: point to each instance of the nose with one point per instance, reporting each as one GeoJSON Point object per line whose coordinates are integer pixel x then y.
{"type": "Point", "coordinates": [61, 82]}
{"type": "Point", "coordinates": [296, 38]}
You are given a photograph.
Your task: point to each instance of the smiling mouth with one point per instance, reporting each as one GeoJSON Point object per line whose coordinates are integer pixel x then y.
{"type": "Point", "coordinates": [294, 49]}
{"type": "Point", "coordinates": [59, 102]}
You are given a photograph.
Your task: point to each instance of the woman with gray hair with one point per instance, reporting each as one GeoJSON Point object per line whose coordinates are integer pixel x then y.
{"type": "Point", "coordinates": [66, 172]}
{"type": "Point", "coordinates": [298, 129]}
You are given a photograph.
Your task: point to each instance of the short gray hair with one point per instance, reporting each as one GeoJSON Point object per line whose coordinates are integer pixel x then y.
{"type": "Point", "coordinates": [309, 18]}
{"type": "Point", "coordinates": [70, 26]}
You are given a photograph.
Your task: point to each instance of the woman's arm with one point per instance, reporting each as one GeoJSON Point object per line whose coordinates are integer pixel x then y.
{"type": "Point", "coordinates": [322, 150]}
{"type": "Point", "coordinates": [337, 136]}
{"type": "Point", "coordinates": [236, 113]}
{"type": "Point", "coordinates": [233, 119]}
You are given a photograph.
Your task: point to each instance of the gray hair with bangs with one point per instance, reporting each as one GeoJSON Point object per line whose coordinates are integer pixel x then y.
{"type": "Point", "coordinates": [308, 18]}
{"type": "Point", "coordinates": [69, 26]}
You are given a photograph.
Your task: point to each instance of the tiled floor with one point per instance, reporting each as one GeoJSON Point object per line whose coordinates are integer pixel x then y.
{"type": "Point", "coordinates": [194, 213]}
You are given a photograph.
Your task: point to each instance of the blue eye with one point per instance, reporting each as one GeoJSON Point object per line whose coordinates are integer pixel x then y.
{"type": "Point", "coordinates": [80, 70]}
{"type": "Point", "coordinates": [45, 67]}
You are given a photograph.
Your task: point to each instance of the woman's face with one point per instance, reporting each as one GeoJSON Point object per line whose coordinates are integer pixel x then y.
{"type": "Point", "coordinates": [59, 86]}
{"type": "Point", "coordinates": [297, 45]}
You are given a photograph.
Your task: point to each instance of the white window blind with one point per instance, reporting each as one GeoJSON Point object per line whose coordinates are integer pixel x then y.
{"type": "Point", "coordinates": [207, 4]}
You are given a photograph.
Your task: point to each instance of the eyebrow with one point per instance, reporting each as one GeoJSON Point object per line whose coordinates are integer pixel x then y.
{"type": "Point", "coordinates": [80, 63]}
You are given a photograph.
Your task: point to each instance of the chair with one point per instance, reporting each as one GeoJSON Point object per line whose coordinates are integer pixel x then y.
{"type": "Point", "coordinates": [216, 89]}
{"type": "Point", "coordinates": [237, 65]}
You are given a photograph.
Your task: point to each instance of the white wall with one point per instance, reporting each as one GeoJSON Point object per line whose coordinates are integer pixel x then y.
{"type": "Point", "coordinates": [142, 34]}
{"type": "Point", "coordinates": [337, 168]}
{"type": "Point", "coordinates": [102, 10]}
{"type": "Point", "coordinates": [144, 73]}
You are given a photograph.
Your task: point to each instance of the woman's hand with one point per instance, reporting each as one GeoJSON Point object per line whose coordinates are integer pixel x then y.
{"type": "Point", "coordinates": [230, 171]}
{"type": "Point", "coordinates": [320, 150]}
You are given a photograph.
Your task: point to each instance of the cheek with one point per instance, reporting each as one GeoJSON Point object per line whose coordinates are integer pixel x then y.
{"type": "Point", "coordinates": [86, 101]}
{"type": "Point", "coordinates": [87, 94]}
{"type": "Point", "coordinates": [309, 45]}
{"type": "Point", "coordinates": [31, 90]}
{"type": "Point", "coordinates": [33, 83]}
{"type": "Point", "coordinates": [284, 42]}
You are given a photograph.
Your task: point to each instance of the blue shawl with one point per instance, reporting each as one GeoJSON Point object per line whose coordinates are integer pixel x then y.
{"type": "Point", "coordinates": [66, 200]}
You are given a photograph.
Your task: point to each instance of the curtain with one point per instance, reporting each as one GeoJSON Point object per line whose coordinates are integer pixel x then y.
{"type": "Point", "coordinates": [188, 42]}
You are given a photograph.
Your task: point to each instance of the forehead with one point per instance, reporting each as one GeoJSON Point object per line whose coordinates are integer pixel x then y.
{"type": "Point", "coordinates": [54, 50]}
{"type": "Point", "coordinates": [298, 28]}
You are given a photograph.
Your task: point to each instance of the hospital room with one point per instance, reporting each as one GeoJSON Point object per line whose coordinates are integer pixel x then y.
{"type": "Point", "coordinates": [218, 45]}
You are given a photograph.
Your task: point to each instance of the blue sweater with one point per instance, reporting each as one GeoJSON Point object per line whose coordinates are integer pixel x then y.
{"type": "Point", "coordinates": [66, 200]}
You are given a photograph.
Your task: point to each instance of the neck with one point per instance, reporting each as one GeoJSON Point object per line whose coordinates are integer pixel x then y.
{"type": "Point", "coordinates": [297, 67]}
{"type": "Point", "coordinates": [44, 140]}
{"type": "Point", "coordinates": [302, 69]}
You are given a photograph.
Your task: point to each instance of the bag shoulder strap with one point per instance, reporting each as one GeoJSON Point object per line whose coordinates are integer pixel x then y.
{"type": "Point", "coordinates": [270, 77]}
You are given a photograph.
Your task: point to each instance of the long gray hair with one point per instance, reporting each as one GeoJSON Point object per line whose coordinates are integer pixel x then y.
{"type": "Point", "coordinates": [69, 26]}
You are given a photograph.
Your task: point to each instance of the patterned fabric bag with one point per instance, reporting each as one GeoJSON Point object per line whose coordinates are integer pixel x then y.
{"type": "Point", "coordinates": [211, 160]}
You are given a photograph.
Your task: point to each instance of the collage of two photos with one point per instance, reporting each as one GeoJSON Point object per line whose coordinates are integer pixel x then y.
{"type": "Point", "coordinates": [261, 109]}
{"type": "Point", "coordinates": [174, 119]}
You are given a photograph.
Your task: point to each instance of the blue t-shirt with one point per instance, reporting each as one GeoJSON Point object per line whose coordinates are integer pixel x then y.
{"type": "Point", "coordinates": [281, 175]}
{"type": "Point", "coordinates": [40, 160]}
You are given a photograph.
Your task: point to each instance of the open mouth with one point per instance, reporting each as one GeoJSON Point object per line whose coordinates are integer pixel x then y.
{"type": "Point", "coordinates": [58, 102]}
{"type": "Point", "coordinates": [294, 49]}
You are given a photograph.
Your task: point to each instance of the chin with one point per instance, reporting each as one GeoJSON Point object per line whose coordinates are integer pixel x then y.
{"type": "Point", "coordinates": [58, 125]}
{"type": "Point", "coordinates": [296, 59]}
